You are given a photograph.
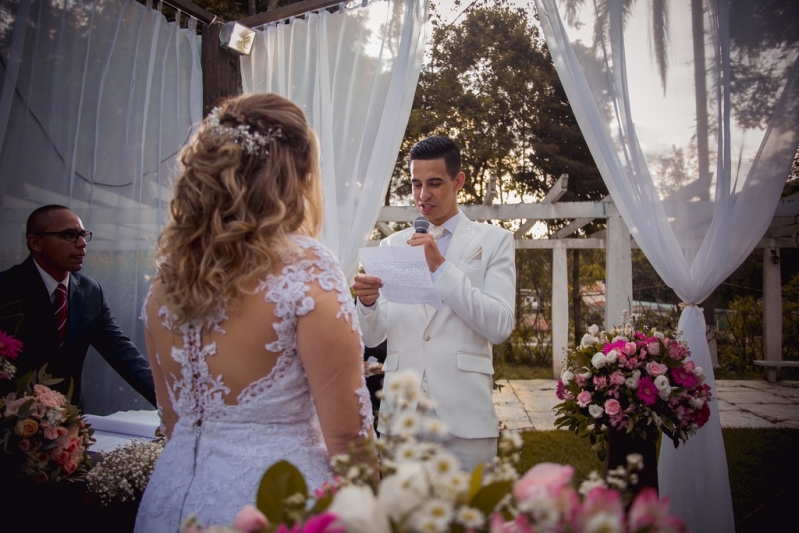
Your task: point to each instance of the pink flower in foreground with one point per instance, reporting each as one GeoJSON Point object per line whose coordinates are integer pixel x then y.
{"type": "Point", "coordinates": [682, 376]}
{"type": "Point", "coordinates": [323, 523]}
{"type": "Point", "coordinates": [543, 480]}
{"type": "Point", "coordinates": [519, 525]}
{"type": "Point", "coordinates": [648, 513]}
{"type": "Point", "coordinates": [250, 520]}
{"type": "Point", "coordinates": [9, 346]}
{"type": "Point", "coordinates": [703, 415]}
{"type": "Point", "coordinates": [647, 392]}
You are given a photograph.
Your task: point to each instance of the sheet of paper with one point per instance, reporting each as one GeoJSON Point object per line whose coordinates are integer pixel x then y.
{"type": "Point", "coordinates": [403, 269]}
{"type": "Point", "coordinates": [134, 423]}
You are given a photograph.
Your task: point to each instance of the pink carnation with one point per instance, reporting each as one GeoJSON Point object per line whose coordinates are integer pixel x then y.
{"type": "Point", "coordinates": [562, 392]}
{"type": "Point", "coordinates": [702, 416]}
{"type": "Point", "coordinates": [683, 377]}
{"type": "Point", "coordinates": [648, 513]}
{"type": "Point", "coordinates": [647, 392]}
{"type": "Point", "coordinates": [617, 378]}
{"type": "Point", "coordinates": [9, 346]}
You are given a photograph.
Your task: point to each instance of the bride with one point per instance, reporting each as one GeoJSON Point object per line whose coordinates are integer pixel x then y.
{"type": "Point", "coordinates": [251, 330]}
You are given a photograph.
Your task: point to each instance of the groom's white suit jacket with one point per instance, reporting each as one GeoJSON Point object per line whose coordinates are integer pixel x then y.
{"type": "Point", "coordinates": [452, 347]}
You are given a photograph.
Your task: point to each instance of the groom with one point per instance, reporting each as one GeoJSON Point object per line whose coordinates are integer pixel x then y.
{"type": "Point", "coordinates": [473, 271]}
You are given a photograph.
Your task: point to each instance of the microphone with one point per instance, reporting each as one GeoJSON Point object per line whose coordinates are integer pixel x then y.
{"type": "Point", "coordinates": [421, 225]}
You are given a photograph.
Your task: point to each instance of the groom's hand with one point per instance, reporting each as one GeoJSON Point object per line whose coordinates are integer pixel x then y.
{"type": "Point", "coordinates": [367, 289]}
{"type": "Point", "coordinates": [431, 252]}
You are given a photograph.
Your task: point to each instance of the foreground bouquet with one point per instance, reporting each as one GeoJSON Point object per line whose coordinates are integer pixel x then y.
{"type": "Point", "coordinates": [423, 490]}
{"type": "Point", "coordinates": [41, 434]}
{"type": "Point", "coordinates": [122, 474]}
{"type": "Point", "coordinates": [640, 383]}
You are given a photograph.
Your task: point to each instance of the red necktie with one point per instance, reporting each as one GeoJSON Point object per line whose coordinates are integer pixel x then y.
{"type": "Point", "coordinates": [60, 310]}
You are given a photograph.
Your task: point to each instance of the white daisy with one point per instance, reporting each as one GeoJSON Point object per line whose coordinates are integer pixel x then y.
{"type": "Point", "coordinates": [470, 517]}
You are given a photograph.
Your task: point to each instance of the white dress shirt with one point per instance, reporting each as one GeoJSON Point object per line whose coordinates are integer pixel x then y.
{"type": "Point", "coordinates": [50, 282]}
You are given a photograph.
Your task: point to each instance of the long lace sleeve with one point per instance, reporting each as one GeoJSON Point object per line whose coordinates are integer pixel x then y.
{"type": "Point", "coordinates": [329, 345]}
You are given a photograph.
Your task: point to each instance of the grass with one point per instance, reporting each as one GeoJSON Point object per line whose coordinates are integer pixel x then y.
{"type": "Point", "coordinates": [763, 467]}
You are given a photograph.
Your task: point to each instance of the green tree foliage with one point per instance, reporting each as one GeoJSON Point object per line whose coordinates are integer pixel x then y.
{"type": "Point", "coordinates": [491, 86]}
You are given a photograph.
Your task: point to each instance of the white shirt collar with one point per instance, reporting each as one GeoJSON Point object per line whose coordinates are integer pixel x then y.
{"type": "Point", "coordinates": [452, 222]}
{"type": "Point", "coordinates": [50, 282]}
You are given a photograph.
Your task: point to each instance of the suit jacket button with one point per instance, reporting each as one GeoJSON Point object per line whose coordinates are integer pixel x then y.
{"type": "Point", "coordinates": [427, 337]}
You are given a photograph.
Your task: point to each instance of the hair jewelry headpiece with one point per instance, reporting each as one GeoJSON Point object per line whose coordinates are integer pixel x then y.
{"type": "Point", "coordinates": [253, 142]}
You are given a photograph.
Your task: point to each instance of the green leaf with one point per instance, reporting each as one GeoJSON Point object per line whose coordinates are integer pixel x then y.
{"type": "Point", "coordinates": [489, 496]}
{"type": "Point", "coordinates": [476, 481]}
{"type": "Point", "coordinates": [280, 481]}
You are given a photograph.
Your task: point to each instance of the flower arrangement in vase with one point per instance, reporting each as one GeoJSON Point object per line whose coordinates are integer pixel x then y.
{"type": "Point", "coordinates": [423, 489]}
{"type": "Point", "coordinates": [626, 382]}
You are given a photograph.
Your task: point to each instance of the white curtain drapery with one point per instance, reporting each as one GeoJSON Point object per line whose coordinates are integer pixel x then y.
{"type": "Point", "coordinates": [354, 74]}
{"type": "Point", "coordinates": [691, 111]}
{"type": "Point", "coordinates": [97, 100]}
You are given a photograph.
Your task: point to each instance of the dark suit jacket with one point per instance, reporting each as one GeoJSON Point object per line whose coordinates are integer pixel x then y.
{"type": "Point", "coordinates": [27, 313]}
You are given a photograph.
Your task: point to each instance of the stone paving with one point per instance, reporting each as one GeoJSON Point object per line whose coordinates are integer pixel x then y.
{"type": "Point", "coordinates": [528, 403]}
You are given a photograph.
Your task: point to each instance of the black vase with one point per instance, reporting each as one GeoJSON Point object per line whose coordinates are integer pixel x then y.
{"type": "Point", "coordinates": [620, 444]}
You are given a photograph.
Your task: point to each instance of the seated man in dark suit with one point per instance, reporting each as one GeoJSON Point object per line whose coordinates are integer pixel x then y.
{"type": "Point", "coordinates": [57, 312]}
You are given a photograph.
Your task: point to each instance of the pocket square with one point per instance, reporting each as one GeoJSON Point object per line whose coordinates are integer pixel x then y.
{"type": "Point", "coordinates": [474, 255]}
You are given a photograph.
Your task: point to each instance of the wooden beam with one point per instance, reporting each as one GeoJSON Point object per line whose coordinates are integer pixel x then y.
{"type": "Point", "coordinates": [220, 69]}
{"type": "Point", "coordinates": [558, 189]}
{"type": "Point", "coordinates": [511, 211]}
{"type": "Point", "coordinates": [293, 10]}
{"type": "Point", "coordinates": [190, 8]}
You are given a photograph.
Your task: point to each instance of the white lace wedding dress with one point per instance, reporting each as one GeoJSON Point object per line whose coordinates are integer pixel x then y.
{"type": "Point", "coordinates": [213, 462]}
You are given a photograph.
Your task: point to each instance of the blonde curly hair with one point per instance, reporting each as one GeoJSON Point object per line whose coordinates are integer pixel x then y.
{"type": "Point", "coordinates": [233, 211]}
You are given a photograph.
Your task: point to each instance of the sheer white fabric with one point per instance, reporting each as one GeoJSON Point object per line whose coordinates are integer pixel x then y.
{"type": "Point", "coordinates": [691, 111]}
{"type": "Point", "coordinates": [354, 74]}
{"type": "Point", "coordinates": [218, 451]}
{"type": "Point", "coordinates": [97, 100]}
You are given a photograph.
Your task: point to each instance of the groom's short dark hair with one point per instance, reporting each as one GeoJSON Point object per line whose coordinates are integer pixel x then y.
{"type": "Point", "coordinates": [438, 147]}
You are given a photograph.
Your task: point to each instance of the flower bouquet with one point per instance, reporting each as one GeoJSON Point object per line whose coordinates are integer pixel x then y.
{"type": "Point", "coordinates": [41, 432]}
{"type": "Point", "coordinates": [635, 382]}
{"type": "Point", "coordinates": [422, 489]}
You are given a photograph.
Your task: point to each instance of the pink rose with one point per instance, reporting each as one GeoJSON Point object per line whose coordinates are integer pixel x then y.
{"type": "Point", "coordinates": [653, 347]}
{"type": "Point", "coordinates": [656, 369]}
{"type": "Point", "coordinates": [612, 407]}
{"type": "Point", "coordinates": [584, 398]}
{"type": "Point", "coordinates": [543, 480]}
{"type": "Point", "coordinates": [26, 428]}
{"type": "Point", "coordinates": [630, 348]}
{"type": "Point", "coordinates": [617, 378]}
{"type": "Point", "coordinates": [25, 445]}
{"type": "Point", "coordinates": [250, 520]}
{"type": "Point", "coordinates": [49, 397]}
{"type": "Point", "coordinates": [51, 433]}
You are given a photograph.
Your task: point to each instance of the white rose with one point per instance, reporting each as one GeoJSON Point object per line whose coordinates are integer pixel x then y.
{"type": "Point", "coordinates": [359, 510]}
{"type": "Point", "coordinates": [696, 403]}
{"type": "Point", "coordinates": [587, 374]}
{"type": "Point", "coordinates": [612, 357]}
{"type": "Point", "coordinates": [659, 335]}
{"type": "Point", "coordinates": [593, 330]}
{"type": "Point", "coordinates": [698, 372]}
{"type": "Point", "coordinates": [662, 382]}
{"type": "Point", "coordinates": [588, 340]}
{"type": "Point", "coordinates": [632, 381]}
{"type": "Point", "coordinates": [404, 490]}
{"type": "Point", "coordinates": [596, 410]}
{"type": "Point", "coordinates": [566, 376]}
{"type": "Point", "coordinates": [598, 360]}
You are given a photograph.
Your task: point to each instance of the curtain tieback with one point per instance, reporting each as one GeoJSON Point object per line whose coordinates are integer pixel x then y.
{"type": "Point", "coordinates": [683, 305]}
